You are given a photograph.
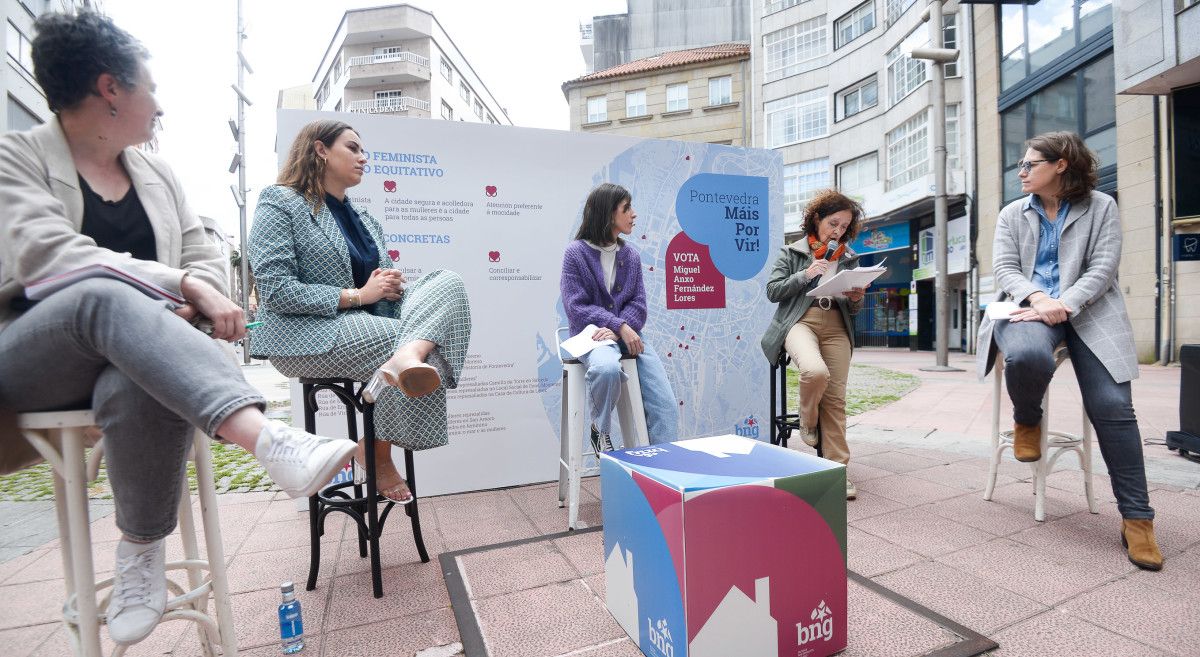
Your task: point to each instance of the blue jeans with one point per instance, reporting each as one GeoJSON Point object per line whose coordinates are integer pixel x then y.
{"type": "Point", "coordinates": [1028, 367]}
{"type": "Point", "coordinates": [604, 378]}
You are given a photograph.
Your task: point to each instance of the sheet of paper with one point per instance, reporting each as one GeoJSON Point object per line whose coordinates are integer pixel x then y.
{"type": "Point", "coordinates": [998, 311]}
{"type": "Point", "coordinates": [47, 286]}
{"type": "Point", "coordinates": [845, 280]}
{"type": "Point", "coordinates": [581, 343]}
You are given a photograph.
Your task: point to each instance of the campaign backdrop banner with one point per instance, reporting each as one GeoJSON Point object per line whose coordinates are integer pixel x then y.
{"type": "Point", "coordinates": [498, 205]}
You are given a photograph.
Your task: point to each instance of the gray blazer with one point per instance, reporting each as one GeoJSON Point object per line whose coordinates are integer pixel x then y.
{"type": "Point", "coordinates": [1088, 254]}
{"type": "Point", "coordinates": [43, 212]}
{"type": "Point", "coordinates": [788, 286]}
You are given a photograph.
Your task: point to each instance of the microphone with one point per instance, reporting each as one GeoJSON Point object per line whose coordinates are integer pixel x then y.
{"type": "Point", "coordinates": [830, 249]}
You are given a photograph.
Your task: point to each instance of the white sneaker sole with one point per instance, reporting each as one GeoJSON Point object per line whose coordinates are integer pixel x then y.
{"type": "Point", "coordinates": [331, 466]}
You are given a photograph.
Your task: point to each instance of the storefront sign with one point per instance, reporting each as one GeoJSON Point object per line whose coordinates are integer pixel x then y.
{"type": "Point", "coordinates": [958, 253]}
{"type": "Point", "coordinates": [881, 238]}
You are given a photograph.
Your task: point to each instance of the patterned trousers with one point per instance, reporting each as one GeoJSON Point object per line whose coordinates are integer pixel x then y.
{"type": "Point", "coordinates": [433, 308]}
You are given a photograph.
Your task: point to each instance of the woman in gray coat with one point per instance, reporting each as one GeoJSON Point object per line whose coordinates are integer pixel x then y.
{"type": "Point", "coordinates": [1056, 254]}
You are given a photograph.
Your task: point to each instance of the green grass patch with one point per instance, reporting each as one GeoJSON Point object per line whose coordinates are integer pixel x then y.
{"type": "Point", "coordinates": [867, 388]}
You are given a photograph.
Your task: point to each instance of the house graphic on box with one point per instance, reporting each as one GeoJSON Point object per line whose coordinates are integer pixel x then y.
{"type": "Point", "coordinates": [739, 626]}
{"type": "Point", "coordinates": [618, 585]}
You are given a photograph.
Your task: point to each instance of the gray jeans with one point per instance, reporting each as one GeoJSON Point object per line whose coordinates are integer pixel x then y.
{"type": "Point", "coordinates": [1028, 367]}
{"type": "Point", "coordinates": [148, 376]}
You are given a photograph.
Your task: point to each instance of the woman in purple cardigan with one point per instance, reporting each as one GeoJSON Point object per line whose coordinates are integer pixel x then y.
{"type": "Point", "coordinates": [602, 285]}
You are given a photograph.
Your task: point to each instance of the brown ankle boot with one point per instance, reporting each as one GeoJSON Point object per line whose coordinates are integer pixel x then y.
{"type": "Point", "coordinates": [1137, 535]}
{"type": "Point", "coordinates": [1027, 442]}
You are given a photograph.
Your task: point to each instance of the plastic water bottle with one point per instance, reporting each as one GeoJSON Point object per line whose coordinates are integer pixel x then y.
{"type": "Point", "coordinates": [291, 625]}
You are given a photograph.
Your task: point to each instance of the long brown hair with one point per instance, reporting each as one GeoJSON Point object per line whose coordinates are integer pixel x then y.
{"type": "Point", "coordinates": [1080, 177]}
{"type": "Point", "coordinates": [304, 169]}
{"type": "Point", "coordinates": [827, 202]}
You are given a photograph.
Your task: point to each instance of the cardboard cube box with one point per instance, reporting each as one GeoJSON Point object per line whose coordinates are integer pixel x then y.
{"type": "Point", "coordinates": [725, 546]}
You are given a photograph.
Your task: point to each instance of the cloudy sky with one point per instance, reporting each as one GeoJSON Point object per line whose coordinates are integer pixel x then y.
{"type": "Point", "coordinates": [523, 55]}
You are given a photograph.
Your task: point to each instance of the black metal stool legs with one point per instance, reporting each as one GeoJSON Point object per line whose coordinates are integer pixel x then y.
{"type": "Point", "coordinates": [363, 506]}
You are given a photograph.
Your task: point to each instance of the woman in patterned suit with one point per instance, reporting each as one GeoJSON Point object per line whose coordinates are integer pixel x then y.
{"type": "Point", "coordinates": [332, 305]}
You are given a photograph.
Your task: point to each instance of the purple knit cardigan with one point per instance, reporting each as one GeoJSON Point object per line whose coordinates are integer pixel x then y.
{"type": "Point", "coordinates": [584, 297]}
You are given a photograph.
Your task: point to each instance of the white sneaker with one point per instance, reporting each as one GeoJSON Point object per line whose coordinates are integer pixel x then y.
{"type": "Point", "coordinates": [299, 462]}
{"type": "Point", "coordinates": [139, 593]}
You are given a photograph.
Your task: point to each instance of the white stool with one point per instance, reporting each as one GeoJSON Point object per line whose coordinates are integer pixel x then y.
{"type": "Point", "coordinates": [1053, 443]}
{"type": "Point", "coordinates": [574, 429]}
{"type": "Point", "coordinates": [59, 438]}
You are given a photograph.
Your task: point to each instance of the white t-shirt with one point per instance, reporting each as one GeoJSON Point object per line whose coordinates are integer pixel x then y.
{"type": "Point", "coordinates": [608, 262]}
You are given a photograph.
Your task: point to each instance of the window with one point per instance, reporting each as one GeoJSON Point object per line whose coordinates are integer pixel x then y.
{"type": "Point", "coordinates": [20, 118]}
{"type": "Point", "coordinates": [635, 103]}
{"type": "Point", "coordinates": [478, 109]}
{"type": "Point", "coordinates": [797, 118]}
{"type": "Point", "coordinates": [905, 74]}
{"type": "Point", "coordinates": [323, 93]}
{"type": "Point", "coordinates": [908, 151]}
{"type": "Point", "coordinates": [952, 153]}
{"type": "Point", "coordinates": [677, 97]}
{"type": "Point", "coordinates": [863, 95]}
{"type": "Point", "coordinates": [447, 111]}
{"type": "Point", "coordinates": [491, 119]}
{"type": "Point", "coordinates": [950, 40]}
{"type": "Point", "coordinates": [859, 173]}
{"type": "Point", "coordinates": [1083, 101]}
{"type": "Point", "coordinates": [18, 47]}
{"type": "Point", "coordinates": [447, 71]}
{"type": "Point", "coordinates": [854, 24]}
{"type": "Point", "coordinates": [772, 6]}
{"type": "Point", "coordinates": [1032, 37]}
{"type": "Point", "coordinates": [339, 66]}
{"type": "Point", "coordinates": [597, 109]}
{"type": "Point", "coordinates": [464, 91]}
{"type": "Point", "coordinates": [895, 9]}
{"type": "Point", "coordinates": [801, 181]}
{"type": "Point", "coordinates": [720, 90]}
{"type": "Point", "coordinates": [389, 98]}
{"type": "Point", "coordinates": [795, 48]}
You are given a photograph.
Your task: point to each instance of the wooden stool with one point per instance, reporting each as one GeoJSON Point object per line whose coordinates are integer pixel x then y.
{"type": "Point", "coordinates": [1053, 443]}
{"type": "Point", "coordinates": [59, 437]}
{"type": "Point", "coordinates": [362, 506]}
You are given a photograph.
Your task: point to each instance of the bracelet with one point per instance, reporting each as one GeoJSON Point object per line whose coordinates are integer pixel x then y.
{"type": "Point", "coordinates": [354, 298]}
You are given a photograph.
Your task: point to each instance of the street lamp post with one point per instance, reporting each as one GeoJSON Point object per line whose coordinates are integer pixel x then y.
{"type": "Point", "coordinates": [239, 165]}
{"type": "Point", "coordinates": [939, 56]}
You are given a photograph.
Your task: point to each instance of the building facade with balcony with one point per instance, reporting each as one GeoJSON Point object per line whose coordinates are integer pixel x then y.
{"type": "Point", "coordinates": [1080, 65]}
{"type": "Point", "coordinates": [839, 97]}
{"type": "Point", "coordinates": [25, 104]}
{"type": "Point", "coordinates": [692, 95]}
{"type": "Point", "coordinates": [397, 60]}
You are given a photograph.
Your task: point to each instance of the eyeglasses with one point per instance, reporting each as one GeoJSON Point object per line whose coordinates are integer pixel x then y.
{"type": "Point", "coordinates": [1027, 165]}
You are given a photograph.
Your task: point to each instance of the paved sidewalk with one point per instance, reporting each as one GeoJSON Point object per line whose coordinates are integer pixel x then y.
{"type": "Point", "coordinates": [919, 528]}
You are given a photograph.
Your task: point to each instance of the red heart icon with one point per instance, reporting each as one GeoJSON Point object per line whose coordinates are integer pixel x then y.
{"type": "Point", "coordinates": [494, 256]}
{"type": "Point", "coordinates": [651, 267]}
{"type": "Point", "coordinates": [394, 255]}
{"type": "Point", "coordinates": [389, 185]}
{"type": "Point", "coordinates": [490, 190]}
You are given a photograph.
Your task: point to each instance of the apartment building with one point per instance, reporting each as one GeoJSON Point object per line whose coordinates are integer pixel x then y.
{"type": "Point", "coordinates": [652, 27]}
{"type": "Point", "coordinates": [692, 95]}
{"type": "Point", "coordinates": [841, 99]}
{"type": "Point", "coordinates": [25, 104]}
{"type": "Point", "coordinates": [398, 60]}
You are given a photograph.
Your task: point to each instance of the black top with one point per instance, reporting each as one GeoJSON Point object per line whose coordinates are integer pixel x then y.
{"type": "Point", "coordinates": [364, 256]}
{"type": "Point", "coordinates": [120, 226]}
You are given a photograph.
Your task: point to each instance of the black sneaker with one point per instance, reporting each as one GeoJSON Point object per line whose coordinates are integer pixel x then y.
{"type": "Point", "coordinates": [601, 442]}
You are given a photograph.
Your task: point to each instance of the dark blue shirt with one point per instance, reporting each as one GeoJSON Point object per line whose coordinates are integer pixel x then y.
{"type": "Point", "coordinates": [1045, 266]}
{"type": "Point", "coordinates": [364, 256]}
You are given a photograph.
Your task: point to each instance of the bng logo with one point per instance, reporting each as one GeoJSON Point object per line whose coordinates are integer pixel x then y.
{"type": "Point", "coordinates": [747, 428]}
{"type": "Point", "coordinates": [660, 636]}
{"type": "Point", "coordinates": [820, 628]}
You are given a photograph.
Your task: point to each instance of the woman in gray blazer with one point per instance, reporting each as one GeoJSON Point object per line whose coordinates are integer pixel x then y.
{"type": "Point", "coordinates": [1056, 253]}
{"type": "Point", "coordinates": [333, 305]}
{"type": "Point", "coordinates": [77, 192]}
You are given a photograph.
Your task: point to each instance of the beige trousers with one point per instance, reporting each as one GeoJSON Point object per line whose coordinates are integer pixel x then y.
{"type": "Point", "coordinates": [820, 351]}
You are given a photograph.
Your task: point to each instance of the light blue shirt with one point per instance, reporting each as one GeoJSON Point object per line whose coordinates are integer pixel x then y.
{"type": "Point", "coordinates": [1045, 267]}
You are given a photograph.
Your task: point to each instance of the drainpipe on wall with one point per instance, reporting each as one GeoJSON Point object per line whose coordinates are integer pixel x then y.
{"type": "Point", "coordinates": [967, 29]}
{"type": "Point", "coordinates": [1159, 246]}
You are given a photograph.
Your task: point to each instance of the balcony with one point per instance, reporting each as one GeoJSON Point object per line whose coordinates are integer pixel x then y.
{"type": "Point", "coordinates": [387, 69]}
{"type": "Point", "coordinates": [402, 105]}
